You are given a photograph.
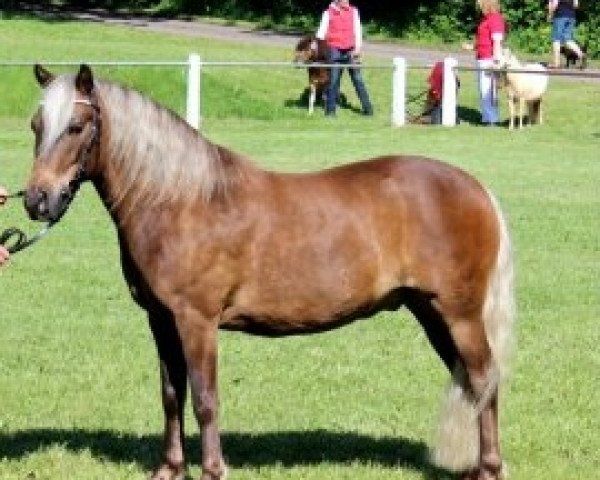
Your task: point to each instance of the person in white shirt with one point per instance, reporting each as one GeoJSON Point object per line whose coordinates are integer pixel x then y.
{"type": "Point", "coordinates": [341, 29]}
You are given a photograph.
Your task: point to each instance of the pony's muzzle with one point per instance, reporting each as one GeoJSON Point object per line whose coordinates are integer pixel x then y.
{"type": "Point", "coordinates": [36, 203]}
{"type": "Point", "coordinates": [46, 205]}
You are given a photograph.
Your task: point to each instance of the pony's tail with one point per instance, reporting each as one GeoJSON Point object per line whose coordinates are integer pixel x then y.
{"type": "Point", "coordinates": [457, 446]}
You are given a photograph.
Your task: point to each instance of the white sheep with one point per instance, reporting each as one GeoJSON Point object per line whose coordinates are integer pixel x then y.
{"type": "Point", "coordinates": [523, 87]}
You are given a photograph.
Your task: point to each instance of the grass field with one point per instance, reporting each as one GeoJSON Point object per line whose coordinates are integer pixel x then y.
{"type": "Point", "coordinates": [79, 388]}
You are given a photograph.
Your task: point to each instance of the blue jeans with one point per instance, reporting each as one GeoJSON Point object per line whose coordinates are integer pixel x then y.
{"type": "Point", "coordinates": [563, 29]}
{"type": "Point", "coordinates": [333, 90]}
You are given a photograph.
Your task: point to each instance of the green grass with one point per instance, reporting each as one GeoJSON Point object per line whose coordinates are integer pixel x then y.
{"type": "Point", "coordinates": [79, 382]}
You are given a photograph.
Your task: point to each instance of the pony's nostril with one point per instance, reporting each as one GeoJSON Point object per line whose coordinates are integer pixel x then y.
{"type": "Point", "coordinates": [42, 202]}
{"type": "Point", "coordinates": [65, 194]}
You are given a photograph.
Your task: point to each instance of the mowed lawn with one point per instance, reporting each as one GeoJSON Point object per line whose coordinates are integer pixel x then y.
{"type": "Point", "coordinates": [79, 384]}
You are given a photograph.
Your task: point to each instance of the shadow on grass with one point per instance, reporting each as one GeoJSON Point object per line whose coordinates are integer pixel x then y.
{"type": "Point", "coordinates": [302, 102]}
{"type": "Point", "coordinates": [241, 450]}
{"type": "Point", "coordinates": [468, 115]}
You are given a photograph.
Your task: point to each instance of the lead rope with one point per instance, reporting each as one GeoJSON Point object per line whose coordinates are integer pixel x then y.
{"type": "Point", "coordinates": [15, 239]}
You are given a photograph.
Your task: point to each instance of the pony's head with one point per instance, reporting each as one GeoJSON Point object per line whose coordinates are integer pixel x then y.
{"type": "Point", "coordinates": [67, 129]}
{"type": "Point", "coordinates": [306, 49]}
{"type": "Point", "coordinates": [311, 49]}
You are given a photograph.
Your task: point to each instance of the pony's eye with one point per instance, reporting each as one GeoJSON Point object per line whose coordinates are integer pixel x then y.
{"type": "Point", "coordinates": [75, 129]}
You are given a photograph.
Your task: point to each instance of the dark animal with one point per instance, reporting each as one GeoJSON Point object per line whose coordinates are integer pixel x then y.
{"type": "Point", "coordinates": [310, 49]}
{"type": "Point", "coordinates": [211, 241]}
{"type": "Point", "coordinates": [571, 57]}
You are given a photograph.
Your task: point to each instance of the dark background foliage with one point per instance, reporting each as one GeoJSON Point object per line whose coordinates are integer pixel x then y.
{"type": "Point", "coordinates": [428, 20]}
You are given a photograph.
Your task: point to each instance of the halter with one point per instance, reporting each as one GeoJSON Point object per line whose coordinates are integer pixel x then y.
{"type": "Point", "coordinates": [85, 154]}
{"type": "Point", "coordinates": [15, 239]}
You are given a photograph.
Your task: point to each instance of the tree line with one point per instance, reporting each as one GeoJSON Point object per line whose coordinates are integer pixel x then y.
{"type": "Point", "coordinates": [431, 20]}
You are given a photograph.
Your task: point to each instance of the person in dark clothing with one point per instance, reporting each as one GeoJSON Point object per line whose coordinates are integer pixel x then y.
{"type": "Point", "coordinates": [563, 16]}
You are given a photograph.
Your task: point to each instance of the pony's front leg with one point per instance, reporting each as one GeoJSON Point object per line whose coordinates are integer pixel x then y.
{"type": "Point", "coordinates": [199, 338]}
{"type": "Point", "coordinates": [511, 112]}
{"type": "Point", "coordinates": [173, 375]}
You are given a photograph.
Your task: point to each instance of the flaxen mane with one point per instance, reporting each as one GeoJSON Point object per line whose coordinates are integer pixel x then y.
{"type": "Point", "coordinates": [158, 157]}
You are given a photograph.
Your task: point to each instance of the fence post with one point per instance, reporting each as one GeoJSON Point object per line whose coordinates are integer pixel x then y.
{"type": "Point", "coordinates": [399, 92]}
{"type": "Point", "coordinates": [193, 90]}
{"type": "Point", "coordinates": [449, 93]}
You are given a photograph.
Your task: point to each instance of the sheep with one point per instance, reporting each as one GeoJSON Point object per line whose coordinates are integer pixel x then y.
{"type": "Point", "coordinates": [523, 87]}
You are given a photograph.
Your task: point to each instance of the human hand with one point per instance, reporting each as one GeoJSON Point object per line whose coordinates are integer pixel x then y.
{"type": "Point", "coordinates": [4, 255]}
{"type": "Point", "coordinates": [3, 195]}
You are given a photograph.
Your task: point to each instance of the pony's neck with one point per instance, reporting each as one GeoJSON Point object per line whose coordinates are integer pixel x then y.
{"type": "Point", "coordinates": [149, 156]}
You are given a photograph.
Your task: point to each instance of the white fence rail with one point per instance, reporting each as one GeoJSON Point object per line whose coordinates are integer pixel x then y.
{"type": "Point", "coordinates": [399, 66]}
{"type": "Point", "coordinates": [195, 65]}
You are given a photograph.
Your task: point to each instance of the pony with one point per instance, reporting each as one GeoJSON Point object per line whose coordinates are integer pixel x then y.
{"type": "Point", "coordinates": [311, 49]}
{"type": "Point", "coordinates": [523, 88]}
{"type": "Point", "coordinates": [209, 241]}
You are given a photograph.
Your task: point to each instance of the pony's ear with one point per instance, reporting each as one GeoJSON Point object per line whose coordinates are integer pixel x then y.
{"type": "Point", "coordinates": [43, 76]}
{"type": "Point", "coordinates": [84, 82]}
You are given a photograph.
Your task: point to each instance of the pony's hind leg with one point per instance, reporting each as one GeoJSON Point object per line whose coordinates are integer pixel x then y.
{"type": "Point", "coordinates": [483, 339]}
{"type": "Point", "coordinates": [173, 377]}
{"type": "Point", "coordinates": [465, 352]}
{"type": "Point", "coordinates": [468, 432]}
{"type": "Point", "coordinates": [433, 324]}
{"type": "Point", "coordinates": [479, 380]}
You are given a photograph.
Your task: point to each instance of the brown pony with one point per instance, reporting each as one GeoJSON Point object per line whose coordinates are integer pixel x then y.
{"type": "Point", "coordinates": [210, 241]}
{"type": "Point", "coordinates": [310, 49]}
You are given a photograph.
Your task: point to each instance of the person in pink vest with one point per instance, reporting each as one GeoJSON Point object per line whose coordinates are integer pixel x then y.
{"type": "Point", "coordinates": [3, 251]}
{"type": "Point", "coordinates": [340, 27]}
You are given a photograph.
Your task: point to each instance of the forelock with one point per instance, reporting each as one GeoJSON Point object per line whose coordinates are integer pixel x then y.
{"type": "Point", "coordinates": [57, 107]}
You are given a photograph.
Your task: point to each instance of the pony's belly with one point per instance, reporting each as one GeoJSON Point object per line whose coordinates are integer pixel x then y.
{"type": "Point", "coordinates": [281, 321]}
{"type": "Point", "coordinates": [294, 317]}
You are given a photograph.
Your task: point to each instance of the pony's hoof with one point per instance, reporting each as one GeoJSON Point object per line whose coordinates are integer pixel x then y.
{"type": "Point", "coordinates": [220, 475]}
{"type": "Point", "coordinates": [482, 474]}
{"type": "Point", "coordinates": [168, 472]}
